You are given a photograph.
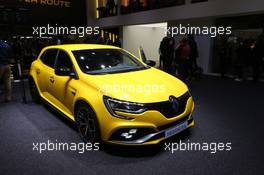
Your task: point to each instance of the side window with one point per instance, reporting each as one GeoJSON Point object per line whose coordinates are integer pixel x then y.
{"type": "Point", "coordinates": [64, 61]}
{"type": "Point", "coordinates": [49, 57]}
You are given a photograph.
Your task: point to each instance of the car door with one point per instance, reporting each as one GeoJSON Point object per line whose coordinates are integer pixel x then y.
{"type": "Point", "coordinates": [46, 70]}
{"type": "Point", "coordinates": [63, 87]}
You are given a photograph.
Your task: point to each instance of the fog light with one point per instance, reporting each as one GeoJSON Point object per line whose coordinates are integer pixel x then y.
{"type": "Point", "coordinates": [126, 135]}
{"type": "Point", "coordinates": [132, 131]}
{"type": "Point", "coordinates": [129, 134]}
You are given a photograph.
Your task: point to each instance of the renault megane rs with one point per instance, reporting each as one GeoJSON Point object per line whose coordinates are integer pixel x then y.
{"type": "Point", "coordinates": [86, 84]}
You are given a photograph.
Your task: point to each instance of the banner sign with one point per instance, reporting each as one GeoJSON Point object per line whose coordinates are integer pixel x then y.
{"type": "Point", "coordinates": [54, 3]}
{"type": "Point", "coordinates": [41, 12]}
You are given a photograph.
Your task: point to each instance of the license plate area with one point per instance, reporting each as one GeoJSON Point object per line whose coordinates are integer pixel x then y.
{"type": "Point", "coordinates": [175, 130]}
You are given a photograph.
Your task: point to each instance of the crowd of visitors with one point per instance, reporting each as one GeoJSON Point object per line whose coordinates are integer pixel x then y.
{"type": "Point", "coordinates": [24, 50]}
{"type": "Point", "coordinates": [237, 57]}
{"type": "Point", "coordinates": [241, 57]}
{"type": "Point", "coordinates": [244, 57]}
{"type": "Point", "coordinates": [179, 58]}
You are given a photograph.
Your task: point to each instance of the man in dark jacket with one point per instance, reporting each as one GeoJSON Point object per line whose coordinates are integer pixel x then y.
{"type": "Point", "coordinates": [167, 53]}
{"type": "Point", "coordinates": [258, 52]}
{"type": "Point", "coordinates": [6, 57]}
{"type": "Point", "coordinates": [193, 54]}
{"type": "Point", "coordinates": [110, 5]}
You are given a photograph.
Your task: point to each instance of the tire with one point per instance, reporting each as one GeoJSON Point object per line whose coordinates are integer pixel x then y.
{"type": "Point", "coordinates": [87, 124]}
{"type": "Point", "coordinates": [34, 91]}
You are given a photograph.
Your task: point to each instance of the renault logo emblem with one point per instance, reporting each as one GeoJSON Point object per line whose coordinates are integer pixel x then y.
{"type": "Point", "coordinates": [174, 103]}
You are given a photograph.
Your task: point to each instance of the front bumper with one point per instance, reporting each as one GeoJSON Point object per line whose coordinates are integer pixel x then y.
{"type": "Point", "coordinates": [153, 138]}
{"type": "Point", "coordinates": [151, 124]}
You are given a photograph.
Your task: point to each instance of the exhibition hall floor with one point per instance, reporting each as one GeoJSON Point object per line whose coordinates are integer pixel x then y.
{"type": "Point", "coordinates": [226, 111]}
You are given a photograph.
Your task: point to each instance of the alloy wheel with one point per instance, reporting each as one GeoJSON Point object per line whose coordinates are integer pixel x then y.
{"type": "Point", "coordinates": [86, 125]}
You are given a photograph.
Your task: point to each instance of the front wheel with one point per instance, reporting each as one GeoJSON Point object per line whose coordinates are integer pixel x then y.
{"type": "Point", "coordinates": [87, 124]}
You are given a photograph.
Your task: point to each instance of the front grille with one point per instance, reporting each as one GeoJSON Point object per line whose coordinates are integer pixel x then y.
{"type": "Point", "coordinates": [177, 122]}
{"type": "Point", "coordinates": [166, 107]}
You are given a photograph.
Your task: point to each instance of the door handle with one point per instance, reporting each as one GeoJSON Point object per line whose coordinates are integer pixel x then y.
{"type": "Point", "coordinates": [73, 90]}
{"type": "Point", "coordinates": [38, 71]}
{"type": "Point", "coordinates": [52, 79]}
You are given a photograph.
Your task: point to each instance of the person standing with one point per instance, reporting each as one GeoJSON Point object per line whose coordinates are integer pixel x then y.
{"type": "Point", "coordinates": [110, 5]}
{"type": "Point", "coordinates": [193, 54]}
{"type": "Point", "coordinates": [167, 54]}
{"type": "Point", "coordinates": [223, 52]}
{"type": "Point", "coordinates": [184, 60]}
{"type": "Point", "coordinates": [239, 61]}
{"type": "Point", "coordinates": [6, 57]}
{"type": "Point", "coordinates": [258, 51]}
{"type": "Point", "coordinates": [134, 5]}
{"type": "Point", "coordinates": [162, 51]}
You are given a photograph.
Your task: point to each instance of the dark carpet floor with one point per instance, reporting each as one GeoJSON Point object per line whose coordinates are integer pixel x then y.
{"type": "Point", "coordinates": [226, 111]}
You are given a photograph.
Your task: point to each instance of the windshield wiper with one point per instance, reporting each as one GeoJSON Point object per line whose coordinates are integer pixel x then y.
{"type": "Point", "coordinates": [118, 71]}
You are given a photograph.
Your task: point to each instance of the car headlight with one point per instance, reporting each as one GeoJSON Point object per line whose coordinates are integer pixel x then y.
{"type": "Point", "coordinates": [114, 105]}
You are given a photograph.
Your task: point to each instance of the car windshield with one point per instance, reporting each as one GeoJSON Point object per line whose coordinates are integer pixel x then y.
{"type": "Point", "coordinates": [105, 61]}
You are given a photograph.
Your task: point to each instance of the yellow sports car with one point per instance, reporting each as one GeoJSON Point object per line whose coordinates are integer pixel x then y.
{"type": "Point", "coordinates": [111, 95]}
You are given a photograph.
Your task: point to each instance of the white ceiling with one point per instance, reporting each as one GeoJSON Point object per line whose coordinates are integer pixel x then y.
{"type": "Point", "coordinates": [159, 25]}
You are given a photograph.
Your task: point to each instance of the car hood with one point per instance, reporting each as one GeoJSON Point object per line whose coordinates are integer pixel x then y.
{"type": "Point", "coordinates": [144, 86]}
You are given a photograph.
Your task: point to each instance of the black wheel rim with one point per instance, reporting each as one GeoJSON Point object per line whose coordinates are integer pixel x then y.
{"type": "Point", "coordinates": [86, 125]}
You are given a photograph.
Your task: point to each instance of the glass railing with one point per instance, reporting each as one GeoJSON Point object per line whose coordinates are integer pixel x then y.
{"type": "Point", "coordinates": [137, 6]}
{"type": "Point", "coordinates": [107, 8]}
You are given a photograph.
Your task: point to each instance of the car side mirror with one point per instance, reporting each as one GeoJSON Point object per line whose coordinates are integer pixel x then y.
{"type": "Point", "coordinates": [150, 63]}
{"type": "Point", "coordinates": [64, 71]}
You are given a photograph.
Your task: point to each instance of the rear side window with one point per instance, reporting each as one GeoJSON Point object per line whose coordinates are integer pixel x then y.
{"type": "Point", "coordinates": [49, 57]}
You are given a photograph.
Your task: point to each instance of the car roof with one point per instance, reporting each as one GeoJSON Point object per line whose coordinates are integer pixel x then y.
{"type": "Point", "coordinates": [74, 47]}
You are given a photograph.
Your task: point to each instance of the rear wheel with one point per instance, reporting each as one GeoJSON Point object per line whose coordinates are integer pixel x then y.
{"type": "Point", "coordinates": [87, 124]}
{"type": "Point", "coordinates": [34, 91]}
